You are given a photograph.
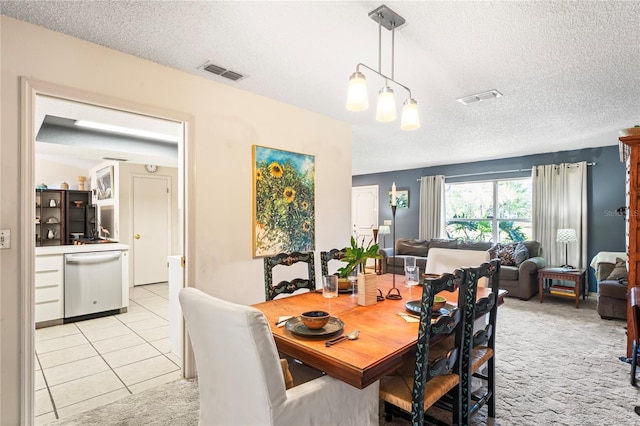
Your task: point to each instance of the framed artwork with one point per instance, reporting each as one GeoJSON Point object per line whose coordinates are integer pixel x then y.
{"type": "Point", "coordinates": [104, 183]}
{"type": "Point", "coordinates": [283, 201]}
{"type": "Point", "coordinates": [402, 197]}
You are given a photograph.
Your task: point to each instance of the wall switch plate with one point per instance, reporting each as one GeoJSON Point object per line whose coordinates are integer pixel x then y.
{"type": "Point", "coordinates": [5, 239]}
{"type": "Point", "coordinates": [387, 222]}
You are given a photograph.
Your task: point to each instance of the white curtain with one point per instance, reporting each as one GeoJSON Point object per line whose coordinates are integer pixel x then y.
{"type": "Point", "coordinates": [431, 207]}
{"type": "Point", "coordinates": [560, 201]}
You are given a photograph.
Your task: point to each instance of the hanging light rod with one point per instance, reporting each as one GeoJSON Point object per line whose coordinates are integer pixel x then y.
{"type": "Point", "coordinates": [357, 96]}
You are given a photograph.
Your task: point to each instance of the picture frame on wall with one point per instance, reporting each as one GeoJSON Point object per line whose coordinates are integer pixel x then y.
{"type": "Point", "coordinates": [104, 183]}
{"type": "Point", "coordinates": [283, 201]}
{"type": "Point", "coordinates": [402, 197]}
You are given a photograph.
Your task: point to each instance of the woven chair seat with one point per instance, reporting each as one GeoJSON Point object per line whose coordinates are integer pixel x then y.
{"type": "Point", "coordinates": [479, 356]}
{"type": "Point", "coordinates": [397, 387]}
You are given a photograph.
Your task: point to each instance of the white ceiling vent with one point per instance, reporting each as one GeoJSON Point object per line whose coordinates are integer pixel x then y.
{"type": "Point", "coordinates": [222, 72]}
{"type": "Point", "coordinates": [478, 97]}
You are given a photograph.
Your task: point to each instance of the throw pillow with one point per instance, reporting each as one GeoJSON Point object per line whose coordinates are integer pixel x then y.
{"type": "Point", "coordinates": [521, 253]}
{"type": "Point", "coordinates": [619, 271]}
{"type": "Point", "coordinates": [506, 255]}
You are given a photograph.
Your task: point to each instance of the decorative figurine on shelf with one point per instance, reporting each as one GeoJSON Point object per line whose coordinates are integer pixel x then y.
{"type": "Point", "coordinates": [42, 186]}
{"type": "Point", "coordinates": [64, 185]}
{"type": "Point", "coordinates": [51, 234]}
{"type": "Point", "coordinates": [81, 181]}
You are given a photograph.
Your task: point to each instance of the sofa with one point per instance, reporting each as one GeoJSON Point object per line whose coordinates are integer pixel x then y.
{"type": "Point", "coordinates": [611, 275]}
{"type": "Point", "coordinates": [519, 280]}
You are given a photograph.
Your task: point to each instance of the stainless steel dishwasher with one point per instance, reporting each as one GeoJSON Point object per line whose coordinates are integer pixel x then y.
{"type": "Point", "coordinates": [92, 282]}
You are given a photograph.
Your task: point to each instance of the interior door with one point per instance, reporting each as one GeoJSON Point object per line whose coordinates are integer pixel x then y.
{"type": "Point", "coordinates": [151, 228]}
{"type": "Point", "coordinates": [364, 212]}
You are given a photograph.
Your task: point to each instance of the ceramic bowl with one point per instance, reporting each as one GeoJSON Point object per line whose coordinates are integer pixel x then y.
{"type": "Point", "coordinates": [343, 284]}
{"type": "Point", "coordinates": [438, 303]}
{"type": "Point", "coordinates": [315, 320]}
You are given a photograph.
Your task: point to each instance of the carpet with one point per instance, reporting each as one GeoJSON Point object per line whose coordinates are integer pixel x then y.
{"type": "Point", "coordinates": [556, 365]}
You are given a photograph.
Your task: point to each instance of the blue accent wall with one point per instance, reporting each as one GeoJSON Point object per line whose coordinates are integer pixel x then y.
{"type": "Point", "coordinates": [605, 191]}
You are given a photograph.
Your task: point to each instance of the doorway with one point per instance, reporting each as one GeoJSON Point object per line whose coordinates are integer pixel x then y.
{"type": "Point", "coordinates": [32, 89]}
{"type": "Point", "coordinates": [364, 213]}
{"type": "Point", "coordinates": [151, 223]}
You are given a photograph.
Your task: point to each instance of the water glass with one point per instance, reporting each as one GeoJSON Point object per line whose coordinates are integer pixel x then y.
{"type": "Point", "coordinates": [330, 286]}
{"type": "Point", "coordinates": [409, 267]}
{"type": "Point", "coordinates": [353, 278]}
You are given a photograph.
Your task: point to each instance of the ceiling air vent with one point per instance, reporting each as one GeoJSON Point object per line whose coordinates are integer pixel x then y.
{"type": "Point", "coordinates": [222, 72]}
{"type": "Point", "coordinates": [478, 97]}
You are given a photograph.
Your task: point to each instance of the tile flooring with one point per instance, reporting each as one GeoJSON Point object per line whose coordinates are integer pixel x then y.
{"type": "Point", "coordinates": [87, 364]}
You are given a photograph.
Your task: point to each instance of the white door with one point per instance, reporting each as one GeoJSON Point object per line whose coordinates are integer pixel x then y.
{"type": "Point", "coordinates": [364, 212]}
{"type": "Point", "coordinates": [151, 228]}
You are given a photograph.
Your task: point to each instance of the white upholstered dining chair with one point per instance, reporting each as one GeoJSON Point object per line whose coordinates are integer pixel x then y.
{"type": "Point", "coordinates": [240, 378]}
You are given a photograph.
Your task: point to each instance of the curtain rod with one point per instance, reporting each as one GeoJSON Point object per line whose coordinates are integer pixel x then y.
{"type": "Point", "coordinates": [494, 173]}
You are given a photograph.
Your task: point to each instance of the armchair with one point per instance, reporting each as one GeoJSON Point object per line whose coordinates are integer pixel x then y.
{"type": "Point", "coordinates": [240, 378]}
{"type": "Point", "coordinates": [521, 281]}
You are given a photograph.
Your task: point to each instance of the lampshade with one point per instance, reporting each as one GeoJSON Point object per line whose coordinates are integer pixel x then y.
{"type": "Point", "coordinates": [357, 97]}
{"type": "Point", "coordinates": [410, 117]}
{"type": "Point", "coordinates": [384, 230]}
{"type": "Point", "coordinates": [566, 235]}
{"type": "Point", "coordinates": [386, 110]}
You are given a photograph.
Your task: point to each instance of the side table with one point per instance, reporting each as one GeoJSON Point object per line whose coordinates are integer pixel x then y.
{"type": "Point", "coordinates": [562, 274]}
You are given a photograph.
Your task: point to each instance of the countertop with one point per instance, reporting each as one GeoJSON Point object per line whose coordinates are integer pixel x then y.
{"type": "Point", "coordinates": [86, 248]}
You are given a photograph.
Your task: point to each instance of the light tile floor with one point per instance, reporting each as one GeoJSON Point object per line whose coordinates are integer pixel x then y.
{"type": "Point", "coordinates": [87, 364]}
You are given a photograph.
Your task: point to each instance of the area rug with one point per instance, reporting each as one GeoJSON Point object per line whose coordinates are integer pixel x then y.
{"type": "Point", "coordinates": [556, 365]}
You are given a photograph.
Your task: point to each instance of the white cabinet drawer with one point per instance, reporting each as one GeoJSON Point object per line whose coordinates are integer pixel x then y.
{"type": "Point", "coordinates": [49, 288]}
{"type": "Point", "coordinates": [49, 263]}
{"type": "Point", "coordinates": [49, 311]}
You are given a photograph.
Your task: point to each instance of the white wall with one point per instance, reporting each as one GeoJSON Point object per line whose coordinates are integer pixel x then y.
{"type": "Point", "coordinates": [53, 173]}
{"type": "Point", "coordinates": [226, 123]}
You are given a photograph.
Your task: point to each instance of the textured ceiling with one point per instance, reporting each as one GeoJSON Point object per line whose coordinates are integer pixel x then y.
{"type": "Point", "coordinates": [569, 71]}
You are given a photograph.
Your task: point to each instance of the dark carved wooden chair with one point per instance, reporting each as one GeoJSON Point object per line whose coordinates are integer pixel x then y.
{"type": "Point", "coordinates": [326, 256]}
{"type": "Point", "coordinates": [288, 287]}
{"type": "Point", "coordinates": [634, 297]}
{"type": "Point", "coordinates": [483, 345]}
{"type": "Point", "coordinates": [418, 385]}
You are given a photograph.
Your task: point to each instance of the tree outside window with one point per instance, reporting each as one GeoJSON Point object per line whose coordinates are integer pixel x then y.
{"type": "Point", "coordinates": [498, 210]}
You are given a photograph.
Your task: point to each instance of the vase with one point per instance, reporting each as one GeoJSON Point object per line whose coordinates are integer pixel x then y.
{"type": "Point", "coordinates": [367, 289]}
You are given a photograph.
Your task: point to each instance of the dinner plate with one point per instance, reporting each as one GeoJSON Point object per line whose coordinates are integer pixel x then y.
{"type": "Point", "coordinates": [413, 306]}
{"type": "Point", "coordinates": [296, 326]}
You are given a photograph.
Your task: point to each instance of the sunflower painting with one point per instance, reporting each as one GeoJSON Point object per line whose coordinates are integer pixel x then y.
{"type": "Point", "coordinates": [283, 211]}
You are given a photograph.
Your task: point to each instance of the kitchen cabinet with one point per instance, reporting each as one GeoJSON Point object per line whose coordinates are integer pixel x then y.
{"type": "Point", "coordinates": [80, 216]}
{"type": "Point", "coordinates": [49, 289]}
{"type": "Point", "coordinates": [50, 217]}
{"type": "Point", "coordinates": [61, 214]}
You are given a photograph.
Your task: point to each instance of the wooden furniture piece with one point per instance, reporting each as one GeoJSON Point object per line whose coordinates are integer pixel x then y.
{"type": "Point", "coordinates": [240, 376]}
{"type": "Point", "coordinates": [576, 276]}
{"type": "Point", "coordinates": [386, 340]}
{"type": "Point", "coordinates": [50, 218]}
{"type": "Point", "coordinates": [483, 344]}
{"type": "Point", "coordinates": [326, 256]}
{"type": "Point", "coordinates": [288, 287]}
{"type": "Point", "coordinates": [417, 386]}
{"type": "Point", "coordinates": [630, 154]}
{"type": "Point", "coordinates": [634, 302]}
{"type": "Point", "coordinates": [80, 215]}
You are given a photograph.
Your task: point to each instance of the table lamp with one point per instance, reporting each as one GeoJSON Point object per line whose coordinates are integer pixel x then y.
{"type": "Point", "coordinates": [565, 236]}
{"type": "Point", "coordinates": [384, 230]}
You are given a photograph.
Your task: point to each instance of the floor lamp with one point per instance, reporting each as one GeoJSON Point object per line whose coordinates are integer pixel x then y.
{"type": "Point", "coordinates": [566, 236]}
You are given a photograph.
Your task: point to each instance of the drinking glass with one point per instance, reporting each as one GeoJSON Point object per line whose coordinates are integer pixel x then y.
{"type": "Point", "coordinates": [409, 268]}
{"type": "Point", "coordinates": [330, 286]}
{"type": "Point", "coordinates": [353, 278]}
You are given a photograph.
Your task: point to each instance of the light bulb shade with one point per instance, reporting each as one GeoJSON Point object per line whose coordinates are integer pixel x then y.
{"type": "Point", "coordinates": [357, 97]}
{"type": "Point", "coordinates": [566, 235]}
{"type": "Point", "coordinates": [410, 116]}
{"type": "Point", "coordinates": [386, 110]}
{"type": "Point", "coordinates": [384, 230]}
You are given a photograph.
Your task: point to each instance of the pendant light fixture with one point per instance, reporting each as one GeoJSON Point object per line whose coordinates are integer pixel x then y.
{"type": "Point", "coordinates": [357, 97]}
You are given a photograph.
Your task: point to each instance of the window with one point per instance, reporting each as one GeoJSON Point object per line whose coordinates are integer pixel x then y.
{"type": "Point", "coordinates": [498, 210]}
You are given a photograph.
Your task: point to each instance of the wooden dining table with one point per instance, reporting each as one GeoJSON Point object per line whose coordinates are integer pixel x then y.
{"type": "Point", "coordinates": [385, 342]}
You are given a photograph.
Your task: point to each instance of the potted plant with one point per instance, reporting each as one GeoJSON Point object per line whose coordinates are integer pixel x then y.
{"type": "Point", "coordinates": [358, 255]}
